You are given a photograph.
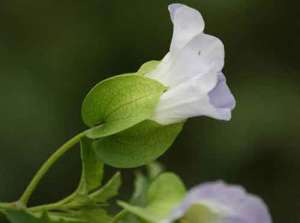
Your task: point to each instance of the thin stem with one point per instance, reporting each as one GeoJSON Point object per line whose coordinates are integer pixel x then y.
{"type": "Point", "coordinates": [5, 206]}
{"type": "Point", "coordinates": [46, 166]}
{"type": "Point", "coordinates": [119, 216]}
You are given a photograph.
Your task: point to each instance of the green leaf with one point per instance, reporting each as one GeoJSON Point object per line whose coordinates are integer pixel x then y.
{"type": "Point", "coordinates": [139, 197]}
{"type": "Point", "coordinates": [165, 193]}
{"type": "Point", "coordinates": [109, 190]}
{"type": "Point", "coordinates": [154, 169]}
{"type": "Point", "coordinates": [16, 216]}
{"type": "Point", "coordinates": [138, 145]}
{"type": "Point", "coordinates": [92, 168]}
{"type": "Point", "coordinates": [92, 215]}
{"type": "Point", "coordinates": [162, 197]}
{"type": "Point", "coordinates": [120, 102]}
{"type": "Point", "coordinates": [93, 199]}
{"type": "Point", "coordinates": [140, 212]}
{"type": "Point", "coordinates": [21, 216]}
{"type": "Point", "coordinates": [48, 217]}
{"type": "Point", "coordinates": [79, 201]}
{"type": "Point", "coordinates": [141, 185]}
{"type": "Point", "coordinates": [148, 67]}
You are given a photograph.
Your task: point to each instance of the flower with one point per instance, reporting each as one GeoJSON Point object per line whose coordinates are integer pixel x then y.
{"type": "Point", "coordinates": [218, 202]}
{"type": "Point", "coordinates": [192, 71]}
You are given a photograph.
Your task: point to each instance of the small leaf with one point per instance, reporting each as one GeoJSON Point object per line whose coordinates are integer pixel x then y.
{"type": "Point", "coordinates": [164, 194]}
{"type": "Point", "coordinates": [139, 197]}
{"type": "Point", "coordinates": [48, 217]}
{"type": "Point", "coordinates": [118, 103]}
{"type": "Point", "coordinates": [141, 185]}
{"type": "Point", "coordinates": [21, 216]}
{"type": "Point", "coordinates": [92, 215]}
{"type": "Point", "coordinates": [138, 145]}
{"type": "Point", "coordinates": [17, 216]}
{"type": "Point", "coordinates": [92, 168]}
{"type": "Point", "coordinates": [79, 201]}
{"type": "Point", "coordinates": [140, 212]}
{"type": "Point", "coordinates": [162, 197]}
{"type": "Point", "coordinates": [154, 170]}
{"type": "Point", "coordinates": [109, 190]}
{"type": "Point", "coordinates": [148, 67]}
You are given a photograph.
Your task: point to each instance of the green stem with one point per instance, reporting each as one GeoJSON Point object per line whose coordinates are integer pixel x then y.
{"type": "Point", "coordinates": [46, 166]}
{"type": "Point", "coordinates": [5, 206]}
{"type": "Point", "coordinates": [119, 216]}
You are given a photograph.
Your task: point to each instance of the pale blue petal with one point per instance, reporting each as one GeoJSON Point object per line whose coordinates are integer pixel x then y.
{"type": "Point", "coordinates": [187, 22]}
{"type": "Point", "coordinates": [221, 98]}
{"type": "Point", "coordinates": [232, 203]}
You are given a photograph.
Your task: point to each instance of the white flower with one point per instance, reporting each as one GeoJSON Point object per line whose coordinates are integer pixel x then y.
{"type": "Point", "coordinates": [220, 203]}
{"type": "Point", "coordinates": [192, 71]}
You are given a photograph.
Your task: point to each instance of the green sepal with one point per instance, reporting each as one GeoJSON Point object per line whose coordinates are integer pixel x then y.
{"type": "Point", "coordinates": [164, 194]}
{"type": "Point", "coordinates": [148, 67]}
{"type": "Point", "coordinates": [142, 183]}
{"type": "Point", "coordinates": [137, 145]}
{"type": "Point", "coordinates": [120, 102]}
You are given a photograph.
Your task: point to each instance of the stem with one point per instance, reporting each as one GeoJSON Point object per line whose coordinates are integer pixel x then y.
{"type": "Point", "coordinates": [6, 206]}
{"type": "Point", "coordinates": [119, 216]}
{"type": "Point", "coordinates": [46, 166]}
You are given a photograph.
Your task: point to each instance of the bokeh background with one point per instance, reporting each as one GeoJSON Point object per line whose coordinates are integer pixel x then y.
{"type": "Point", "coordinates": [52, 52]}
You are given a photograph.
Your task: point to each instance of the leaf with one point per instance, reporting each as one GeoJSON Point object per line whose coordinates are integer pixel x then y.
{"type": "Point", "coordinates": [140, 212]}
{"type": "Point", "coordinates": [92, 168]}
{"type": "Point", "coordinates": [138, 145]}
{"type": "Point", "coordinates": [109, 190]}
{"type": "Point", "coordinates": [79, 201]}
{"type": "Point", "coordinates": [141, 185]}
{"type": "Point", "coordinates": [118, 103]}
{"type": "Point", "coordinates": [154, 169]}
{"type": "Point", "coordinates": [16, 216]}
{"type": "Point", "coordinates": [162, 197]}
{"type": "Point", "coordinates": [92, 215]}
{"type": "Point", "coordinates": [21, 216]}
{"type": "Point", "coordinates": [50, 217]}
{"type": "Point", "coordinates": [164, 194]}
{"type": "Point", "coordinates": [148, 67]}
{"type": "Point", "coordinates": [139, 197]}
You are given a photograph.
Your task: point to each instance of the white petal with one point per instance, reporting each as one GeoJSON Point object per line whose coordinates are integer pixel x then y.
{"type": "Point", "coordinates": [186, 100]}
{"type": "Point", "coordinates": [229, 203]}
{"type": "Point", "coordinates": [203, 54]}
{"type": "Point", "coordinates": [187, 22]}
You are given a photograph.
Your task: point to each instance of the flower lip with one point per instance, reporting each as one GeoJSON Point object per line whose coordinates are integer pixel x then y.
{"type": "Point", "coordinates": [220, 96]}
{"type": "Point", "coordinates": [188, 23]}
{"type": "Point", "coordinates": [173, 8]}
{"type": "Point", "coordinates": [228, 203]}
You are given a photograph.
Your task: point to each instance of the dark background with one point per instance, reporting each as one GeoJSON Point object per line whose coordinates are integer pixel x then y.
{"type": "Point", "coordinates": [53, 52]}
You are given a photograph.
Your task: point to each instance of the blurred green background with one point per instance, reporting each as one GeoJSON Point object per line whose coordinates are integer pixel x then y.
{"type": "Point", "coordinates": [53, 51]}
